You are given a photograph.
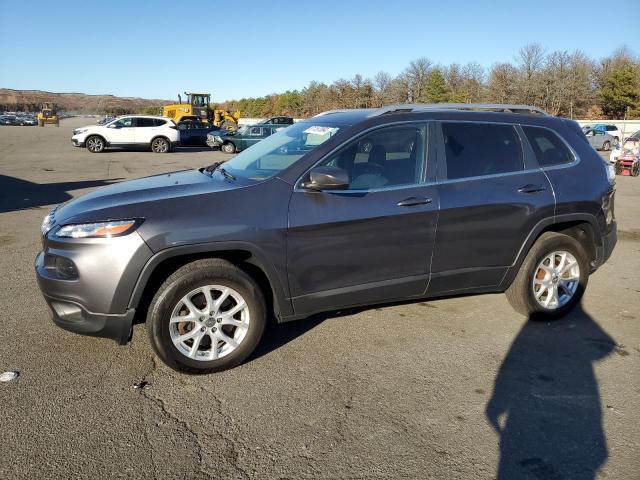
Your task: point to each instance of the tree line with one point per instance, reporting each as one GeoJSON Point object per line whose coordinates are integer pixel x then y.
{"type": "Point", "coordinates": [569, 84]}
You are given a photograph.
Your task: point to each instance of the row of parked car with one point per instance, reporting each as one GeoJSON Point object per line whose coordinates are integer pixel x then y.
{"type": "Point", "coordinates": [161, 134]}
{"type": "Point", "coordinates": [22, 119]}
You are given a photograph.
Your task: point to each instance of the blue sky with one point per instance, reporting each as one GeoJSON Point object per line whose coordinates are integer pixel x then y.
{"type": "Point", "coordinates": [157, 49]}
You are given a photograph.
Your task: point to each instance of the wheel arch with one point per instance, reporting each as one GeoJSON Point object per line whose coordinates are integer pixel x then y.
{"type": "Point", "coordinates": [106, 143]}
{"type": "Point", "coordinates": [582, 226]}
{"type": "Point", "coordinates": [160, 136]}
{"type": "Point", "coordinates": [250, 260]}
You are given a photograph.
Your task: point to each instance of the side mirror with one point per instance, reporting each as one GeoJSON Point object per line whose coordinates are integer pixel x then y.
{"type": "Point", "coordinates": [327, 178]}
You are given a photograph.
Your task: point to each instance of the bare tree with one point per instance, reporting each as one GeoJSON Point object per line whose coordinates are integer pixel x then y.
{"type": "Point", "coordinates": [415, 75]}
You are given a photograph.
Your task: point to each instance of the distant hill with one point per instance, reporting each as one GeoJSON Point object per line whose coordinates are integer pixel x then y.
{"type": "Point", "coordinates": [30, 100]}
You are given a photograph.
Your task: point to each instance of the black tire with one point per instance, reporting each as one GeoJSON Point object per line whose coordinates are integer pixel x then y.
{"type": "Point", "coordinates": [228, 147]}
{"type": "Point", "coordinates": [212, 271]}
{"type": "Point", "coordinates": [520, 294]}
{"type": "Point", "coordinates": [40, 123]}
{"type": "Point", "coordinates": [95, 144]}
{"type": "Point", "coordinates": [635, 169]}
{"type": "Point", "coordinates": [160, 145]}
{"type": "Point", "coordinates": [606, 146]}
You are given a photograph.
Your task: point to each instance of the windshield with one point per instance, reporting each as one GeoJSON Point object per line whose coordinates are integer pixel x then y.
{"type": "Point", "coordinates": [279, 151]}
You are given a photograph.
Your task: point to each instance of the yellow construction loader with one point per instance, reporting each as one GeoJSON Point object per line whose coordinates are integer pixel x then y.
{"type": "Point", "coordinates": [197, 107]}
{"type": "Point", "coordinates": [48, 114]}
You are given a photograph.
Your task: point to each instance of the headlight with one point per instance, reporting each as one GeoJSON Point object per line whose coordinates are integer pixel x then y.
{"type": "Point", "coordinates": [97, 230]}
{"type": "Point", "coordinates": [217, 138]}
{"type": "Point", "coordinates": [47, 223]}
{"type": "Point", "coordinates": [79, 131]}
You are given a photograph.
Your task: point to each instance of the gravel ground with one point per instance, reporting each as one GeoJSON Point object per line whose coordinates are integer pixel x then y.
{"type": "Point", "coordinates": [401, 391]}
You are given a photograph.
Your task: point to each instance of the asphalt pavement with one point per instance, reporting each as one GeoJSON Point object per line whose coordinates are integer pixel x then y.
{"type": "Point", "coordinates": [451, 388]}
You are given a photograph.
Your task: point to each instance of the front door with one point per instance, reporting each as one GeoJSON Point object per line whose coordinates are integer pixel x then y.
{"type": "Point", "coordinates": [373, 241]}
{"type": "Point", "coordinates": [122, 132]}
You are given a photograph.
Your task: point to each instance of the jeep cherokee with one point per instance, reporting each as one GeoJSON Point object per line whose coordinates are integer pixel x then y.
{"type": "Point", "coordinates": [348, 208]}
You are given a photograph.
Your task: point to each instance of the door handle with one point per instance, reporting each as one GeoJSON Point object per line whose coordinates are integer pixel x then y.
{"type": "Point", "coordinates": [530, 188]}
{"type": "Point", "coordinates": [413, 201]}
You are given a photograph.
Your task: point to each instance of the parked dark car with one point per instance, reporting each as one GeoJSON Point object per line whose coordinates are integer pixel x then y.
{"type": "Point", "coordinates": [232, 142]}
{"type": "Point", "coordinates": [7, 120]}
{"type": "Point", "coordinates": [444, 202]}
{"type": "Point", "coordinates": [278, 121]}
{"type": "Point", "coordinates": [194, 133]}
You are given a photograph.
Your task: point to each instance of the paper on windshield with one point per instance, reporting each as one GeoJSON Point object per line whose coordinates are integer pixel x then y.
{"type": "Point", "coordinates": [319, 130]}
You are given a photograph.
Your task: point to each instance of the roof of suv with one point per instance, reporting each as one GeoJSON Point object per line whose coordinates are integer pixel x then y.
{"type": "Point", "coordinates": [142, 116]}
{"type": "Point", "coordinates": [507, 113]}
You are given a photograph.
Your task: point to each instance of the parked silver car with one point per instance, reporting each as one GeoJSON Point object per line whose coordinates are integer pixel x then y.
{"type": "Point", "coordinates": [600, 140]}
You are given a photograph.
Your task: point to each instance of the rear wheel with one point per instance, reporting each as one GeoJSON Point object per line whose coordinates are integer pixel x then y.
{"type": "Point", "coordinates": [95, 144]}
{"type": "Point", "coordinates": [160, 145]}
{"type": "Point", "coordinates": [606, 146]}
{"type": "Point", "coordinates": [635, 169]}
{"type": "Point", "coordinates": [206, 317]}
{"type": "Point", "coordinates": [552, 277]}
{"type": "Point", "coordinates": [229, 148]}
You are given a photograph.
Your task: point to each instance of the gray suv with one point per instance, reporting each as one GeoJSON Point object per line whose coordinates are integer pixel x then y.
{"type": "Point", "coordinates": [348, 208]}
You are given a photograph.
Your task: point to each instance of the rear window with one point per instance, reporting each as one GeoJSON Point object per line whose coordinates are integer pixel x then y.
{"type": "Point", "coordinates": [548, 147]}
{"type": "Point", "coordinates": [478, 149]}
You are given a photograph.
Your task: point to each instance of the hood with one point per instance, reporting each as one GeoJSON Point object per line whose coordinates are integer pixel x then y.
{"type": "Point", "coordinates": [132, 196]}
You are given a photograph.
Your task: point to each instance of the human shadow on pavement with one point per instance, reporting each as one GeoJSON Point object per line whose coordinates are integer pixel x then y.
{"type": "Point", "coordinates": [546, 405]}
{"type": "Point", "coordinates": [18, 194]}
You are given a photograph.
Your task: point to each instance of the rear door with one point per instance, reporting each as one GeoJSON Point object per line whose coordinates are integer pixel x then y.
{"type": "Point", "coordinates": [491, 197]}
{"type": "Point", "coordinates": [146, 129]}
{"type": "Point", "coordinates": [373, 241]}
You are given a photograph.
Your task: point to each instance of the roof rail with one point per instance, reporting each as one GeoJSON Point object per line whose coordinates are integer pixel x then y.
{"type": "Point", "coordinates": [422, 107]}
{"type": "Point", "coordinates": [343, 110]}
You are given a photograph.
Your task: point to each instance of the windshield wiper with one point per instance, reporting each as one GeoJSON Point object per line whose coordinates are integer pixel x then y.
{"type": "Point", "coordinates": [217, 166]}
{"type": "Point", "coordinates": [226, 174]}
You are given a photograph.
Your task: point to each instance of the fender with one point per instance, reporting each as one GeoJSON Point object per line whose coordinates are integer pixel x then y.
{"type": "Point", "coordinates": [282, 303]}
{"type": "Point", "coordinates": [512, 271]}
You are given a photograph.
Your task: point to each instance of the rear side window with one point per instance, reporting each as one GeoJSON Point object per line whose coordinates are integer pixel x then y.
{"type": "Point", "coordinates": [158, 122]}
{"type": "Point", "coordinates": [548, 147]}
{"type": "Point", "coordinates": [144, 122]}
{"type": "Point", "coordinates": [477, 149]}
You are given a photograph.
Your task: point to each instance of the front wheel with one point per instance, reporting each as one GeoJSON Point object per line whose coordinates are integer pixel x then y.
{"type": "Point", "coordinates": [206, 317]}
{"type": "Point", "coordinates": [95, 144]}
{"type": "Point", "coordinates": [552, 278]}
{"type": "Point", "coordinates": [229, 148]}
{"type": "Point", "coordinates": [606, 146]}
{"type": "Point", "coordinates": [160, 145]}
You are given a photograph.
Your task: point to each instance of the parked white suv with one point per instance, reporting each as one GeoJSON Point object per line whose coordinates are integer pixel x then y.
{"type": "Point", "coordinates": [158, 133]}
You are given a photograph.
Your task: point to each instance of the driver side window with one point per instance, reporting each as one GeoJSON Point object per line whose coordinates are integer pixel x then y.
{"type": "Point", "coordinates": [387, 157]}
{"type": "Point", "coordinates": [124, 122]}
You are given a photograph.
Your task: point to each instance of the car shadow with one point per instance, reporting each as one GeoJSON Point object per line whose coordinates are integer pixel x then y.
{"type": "Point", "coordinates": [546, 406]}
{"type": "Point", "coordinates": [18, 194]}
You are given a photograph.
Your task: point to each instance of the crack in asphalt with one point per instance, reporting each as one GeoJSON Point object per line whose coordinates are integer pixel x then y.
{"type": "Point", "coordinates": [231, 451]}
{"type": "Point", "coordinates": [159, 403]}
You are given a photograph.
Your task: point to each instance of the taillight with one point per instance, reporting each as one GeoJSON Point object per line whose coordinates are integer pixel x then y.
{"type": "Point", "coordinates": [173, 126]}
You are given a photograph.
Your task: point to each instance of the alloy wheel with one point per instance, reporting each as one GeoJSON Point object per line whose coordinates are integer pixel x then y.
{"type": "Point", "coordinates": [556, 280]}
{"type": "Point", "coordinates": [94, 144]}
{"type": "Point", "coordinates": [160, 145]}
{"type": "Point", "coordinates": [209, 322]}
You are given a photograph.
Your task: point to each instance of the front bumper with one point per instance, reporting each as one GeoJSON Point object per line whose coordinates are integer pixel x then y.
{"type": "Point", "coordinates": [87, 283]}
{"type": "Point", "coordinates": [75, 318]}
{"type": "Point", "coordinates": [213, 143]}
{"type": "Point", "coordinates": [78, 140]}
